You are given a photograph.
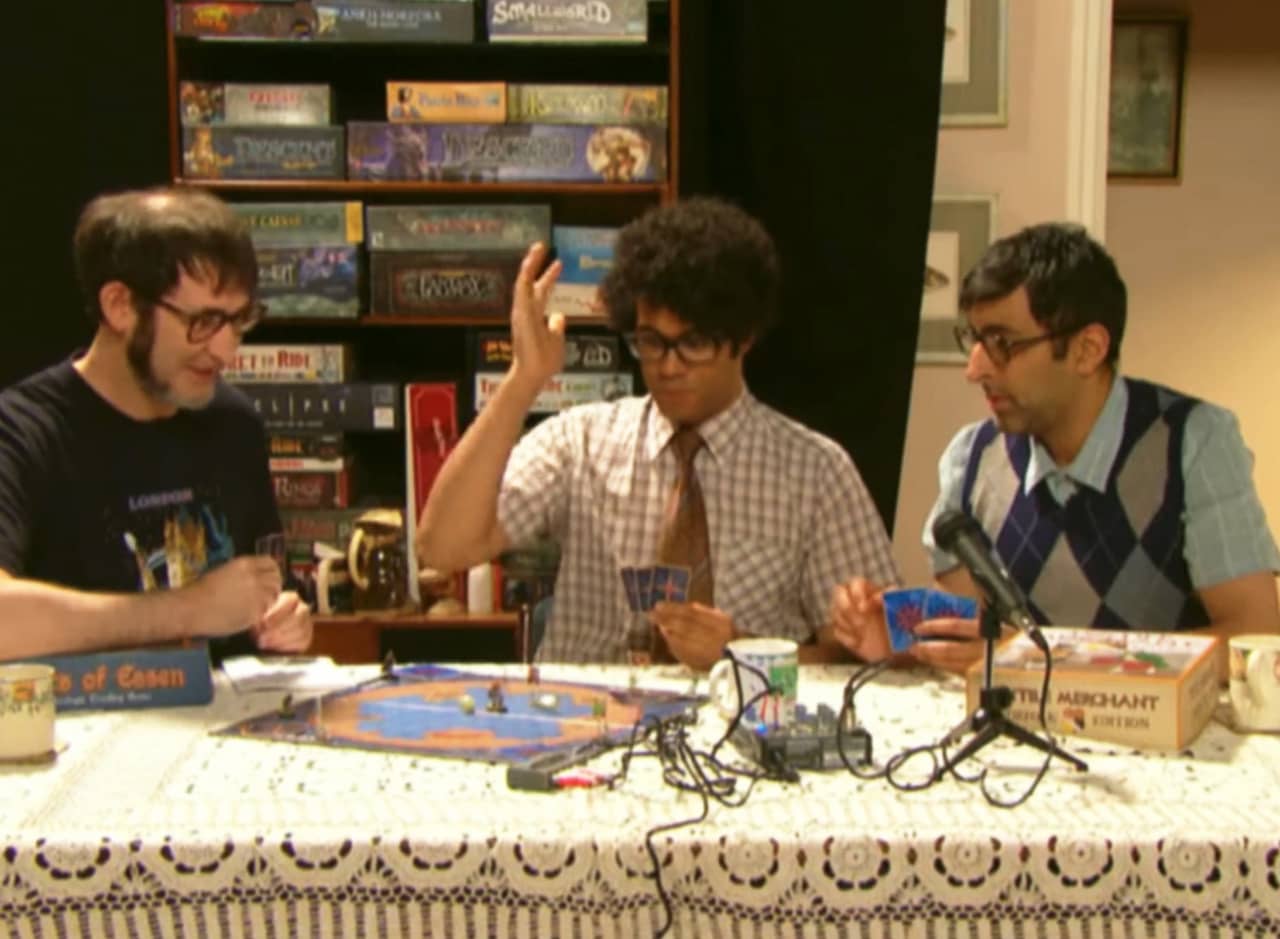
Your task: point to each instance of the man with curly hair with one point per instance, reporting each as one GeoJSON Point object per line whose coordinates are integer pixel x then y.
{"type": "Point", "coordinates": [693, 286]}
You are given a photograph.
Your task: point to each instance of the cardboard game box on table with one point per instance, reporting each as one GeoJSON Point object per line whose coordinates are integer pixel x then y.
{"type": "Point", "coordinates": [1142, 689]}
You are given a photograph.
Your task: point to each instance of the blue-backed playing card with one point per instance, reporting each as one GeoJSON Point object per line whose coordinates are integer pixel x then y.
{"type": "Point", "coordinates": [670, 584]}
{"type": "Point", "coordinates": [644, 587]}
{"type": "Point", "coordinates": [903, 612]}
{"type": "Point", "coordinates": [629, 585]}
{"type": "Point", "coordinates": [942, 605]}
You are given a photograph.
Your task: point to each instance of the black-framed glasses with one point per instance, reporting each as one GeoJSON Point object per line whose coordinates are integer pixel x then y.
{"type": "Point", "coordinates": [999, 347]}
{"type": "Point", "coordinates": [691, 348]}
{"type": "Point", "coordinates": [203, 325]}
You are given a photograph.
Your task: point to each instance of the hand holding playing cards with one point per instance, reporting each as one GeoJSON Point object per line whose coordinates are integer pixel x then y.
{"type": "Point", "coordinates": [931, 627]}
{"type": "Point", "coordinates": [537, 340]}
{"type": "Point", "coordinates": [857, 615]}
{"type": "Point", "coordinates": [953, 643]}
{"type": "Point", "coordinates": [695, 633]}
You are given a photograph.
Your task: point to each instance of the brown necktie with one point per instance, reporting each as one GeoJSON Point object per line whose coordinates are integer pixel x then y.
{"type": "Point", "coordinates": [684, 540]}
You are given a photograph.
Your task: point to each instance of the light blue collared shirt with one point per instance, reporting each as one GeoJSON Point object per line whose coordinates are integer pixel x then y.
{"type": "Point", "coordinates": [1226, 528]}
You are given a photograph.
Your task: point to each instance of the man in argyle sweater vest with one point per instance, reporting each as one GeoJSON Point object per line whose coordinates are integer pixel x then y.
{"type": "Point", "coordinates": [1112, 502]}
{"type": "Point", "coordinates": [1113, 558]}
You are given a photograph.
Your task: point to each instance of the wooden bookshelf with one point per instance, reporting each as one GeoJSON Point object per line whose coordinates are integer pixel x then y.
{"type": "Point", "coordinates": [404, 349]}
{"type": "Point", "coordinates": [355, 638]}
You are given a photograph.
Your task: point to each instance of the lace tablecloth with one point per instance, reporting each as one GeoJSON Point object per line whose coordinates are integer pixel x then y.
{"type": "Point", "coordinates": [149, 826]}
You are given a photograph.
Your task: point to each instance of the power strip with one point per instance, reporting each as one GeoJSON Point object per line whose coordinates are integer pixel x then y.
{"type": "Point", "coordinates": [811, 742]}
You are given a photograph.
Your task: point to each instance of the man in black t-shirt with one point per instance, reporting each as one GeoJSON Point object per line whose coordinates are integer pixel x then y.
{"type": "Point", "coordinates": [133, 482]}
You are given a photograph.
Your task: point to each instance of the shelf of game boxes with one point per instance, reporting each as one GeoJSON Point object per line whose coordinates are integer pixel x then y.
{"type": "Point", "coordinates": [355, 638]}
{"type": "Point", "coordinates": [663, 190]}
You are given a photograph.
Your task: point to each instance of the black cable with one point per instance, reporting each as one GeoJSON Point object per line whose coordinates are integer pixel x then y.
{"type": "Point", "coordinates": [937, 752]}
{"type": "Point", "coordinates": [687, 769]}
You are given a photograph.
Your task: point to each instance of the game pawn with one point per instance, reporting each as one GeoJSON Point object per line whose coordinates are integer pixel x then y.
{"type": "Point", "coordinates": [497, 704]}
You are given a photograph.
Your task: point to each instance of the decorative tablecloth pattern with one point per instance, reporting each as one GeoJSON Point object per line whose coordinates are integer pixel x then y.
{"type": "Point", "coordinates": [149, 826]}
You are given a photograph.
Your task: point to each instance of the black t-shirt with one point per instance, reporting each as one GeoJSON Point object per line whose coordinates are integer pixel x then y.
{"type": "Point", "coordinates": [93, 499]}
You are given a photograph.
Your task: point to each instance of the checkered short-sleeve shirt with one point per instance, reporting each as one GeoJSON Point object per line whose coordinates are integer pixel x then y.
{"type": "Point", "coordinates": [788, 515]}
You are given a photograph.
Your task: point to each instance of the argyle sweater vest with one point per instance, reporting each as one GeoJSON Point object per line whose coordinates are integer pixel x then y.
{"type": "Point", "coordinates": [1113, 560]}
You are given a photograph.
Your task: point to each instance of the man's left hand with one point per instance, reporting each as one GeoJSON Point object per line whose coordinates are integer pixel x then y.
{"type": "Point", "coordinates": [286, 626]}
{"type": "Point", "coordinates": [695, 633]}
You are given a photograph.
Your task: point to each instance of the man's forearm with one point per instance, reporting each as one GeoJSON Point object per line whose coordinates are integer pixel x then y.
{"type": "Point", "coordinates": [459, 525]}
{"type": "Point", "coordinates": [43, 619]}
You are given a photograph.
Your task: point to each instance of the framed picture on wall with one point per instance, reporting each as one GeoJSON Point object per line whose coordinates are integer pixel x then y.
{"type": "Point", "coordinates": [973, 63]}
{"type": "Point", "coordinates": [960, 229]}
{"type": "Point", "coordinates": [1148, 58]}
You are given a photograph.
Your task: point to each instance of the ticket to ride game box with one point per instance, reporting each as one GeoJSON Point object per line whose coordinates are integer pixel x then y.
{"type": "Point", "coordinates": [1143, 689]}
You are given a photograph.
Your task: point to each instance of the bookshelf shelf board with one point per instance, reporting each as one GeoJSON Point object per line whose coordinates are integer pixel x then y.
{"type": "Point", "coordinates": [478, 49]}
{"type": "Point", "coordinates": [368, 187]}
{"type": "Point", "coordinates": [383, 320]}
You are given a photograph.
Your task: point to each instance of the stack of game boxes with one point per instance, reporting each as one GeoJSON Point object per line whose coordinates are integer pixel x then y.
{"type": "Point", "coordinates": [240, 131]}
{"type": "Point", "coordinates": [497, 132]}
{"type": "Point", "coordinates": [309, 461]}
{"type": "Point", "coordinates": [309, 259]}
{"type": "Point", "coordinates": [593, 371]}
{"type": "Point", "coordinates": [449, 261]}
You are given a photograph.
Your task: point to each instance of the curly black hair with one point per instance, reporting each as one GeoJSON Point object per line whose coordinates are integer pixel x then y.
{"type": "Point", "coordinates": [705, 260]}
{"type": "Point", "coordinates": [1070, 279]}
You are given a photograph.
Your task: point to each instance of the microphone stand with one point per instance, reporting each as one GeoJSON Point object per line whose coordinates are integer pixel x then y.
{"type": "Point", "coordinates": [989, 720]}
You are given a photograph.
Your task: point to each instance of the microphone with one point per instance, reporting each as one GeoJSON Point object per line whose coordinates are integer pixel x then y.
{"type": "Point", "coordinates": [959, 534]}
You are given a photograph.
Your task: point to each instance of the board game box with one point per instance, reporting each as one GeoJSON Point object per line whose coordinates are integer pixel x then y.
{"type": "Point", "coordinates": [230, 152]}
{"type": "Point", "coordinates": [507, 152]}
{"type": "Point", "coordinates": [586, 104]}
{"type": "Point", "coordinates": [457, 227]}
{"type": "Point", "coordinates": [441, 283]}
{"type": "Point", "coordinates": [234, 103]}
{"type": "Point", "coordinates": [586, 254]}
{"type": "Point", "coordinates": [599, 21]}
{"type": "Point", "coordinates": [302, 224]}
{"type": "Point", "coordinates": [447, 102]}
{"type": "Point", "coordinates": [1141, 689]}
{"type": "Point", "coordinates": [170, 675]}
{"type": "Point", "coordinates": [321, 281]}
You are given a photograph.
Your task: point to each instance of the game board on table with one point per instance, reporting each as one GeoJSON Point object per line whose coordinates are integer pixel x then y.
{"type": "Point", "coordinates": [435, 711]}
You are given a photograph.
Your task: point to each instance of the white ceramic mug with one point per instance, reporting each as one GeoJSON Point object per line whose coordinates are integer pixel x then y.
{"type": "Point", "coordinates": [776, 660]}
{"type": "Point", "coordinates": [1255, 681]}
{"type": "Point", "coordinates": [26, 712]}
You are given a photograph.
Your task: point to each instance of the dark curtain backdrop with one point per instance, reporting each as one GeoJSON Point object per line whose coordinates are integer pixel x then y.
{"type": "Point", "coordinates": [85, 110]}
{"type": "Point", "coordinates": [819, 117]}
{"type": "Point", "coordinates": [822, 120]}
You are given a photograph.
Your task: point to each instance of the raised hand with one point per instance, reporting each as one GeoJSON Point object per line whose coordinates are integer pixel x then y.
{"type": "Point", "coordinates": [537, 340]}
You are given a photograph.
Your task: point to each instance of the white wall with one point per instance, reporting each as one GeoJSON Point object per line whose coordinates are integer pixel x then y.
{"type": "Point", "coordinates": [1201, 256]}
{"type": "Point", "coordinates": [1025, 164]}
